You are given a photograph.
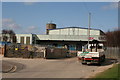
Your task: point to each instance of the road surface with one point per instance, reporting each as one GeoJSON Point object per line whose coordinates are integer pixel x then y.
{"type": "Point", "coordinates": [49, 68]}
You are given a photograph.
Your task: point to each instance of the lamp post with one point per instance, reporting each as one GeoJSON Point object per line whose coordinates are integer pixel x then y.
{"type": "Point", "coordinates": [89, 23]}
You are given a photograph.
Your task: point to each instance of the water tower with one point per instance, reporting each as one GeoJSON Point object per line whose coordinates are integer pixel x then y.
{"type": "Point", "coordinates": [50, 26]}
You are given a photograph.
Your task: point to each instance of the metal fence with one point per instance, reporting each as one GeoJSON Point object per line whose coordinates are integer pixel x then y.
{"type": "Point", "coordinates": [112, 52]}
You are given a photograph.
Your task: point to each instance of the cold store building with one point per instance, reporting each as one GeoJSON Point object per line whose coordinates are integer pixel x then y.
{"type": "Point", "coordinates": [71, 37]}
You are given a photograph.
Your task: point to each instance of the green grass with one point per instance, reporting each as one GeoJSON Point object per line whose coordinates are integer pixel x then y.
{"type": "Point", "coordinates": [113, 72]}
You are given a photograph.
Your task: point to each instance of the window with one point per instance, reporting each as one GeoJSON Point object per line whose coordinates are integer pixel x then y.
{"type": "Point", "coordinates": [27, 40]}
{"type": "Point", "coordinates": [22, 40]}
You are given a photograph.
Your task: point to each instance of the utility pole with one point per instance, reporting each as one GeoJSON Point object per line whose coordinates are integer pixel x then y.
{"type": "Point", "coordinates": [89, 23]}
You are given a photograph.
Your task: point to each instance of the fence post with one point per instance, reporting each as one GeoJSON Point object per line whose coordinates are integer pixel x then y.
{"type": "Point", "coordinates": [118, 54]}
{"type": "Point", "coordinates": [5, 51]}
{"type": "Point", "coordinates": [45, 52]}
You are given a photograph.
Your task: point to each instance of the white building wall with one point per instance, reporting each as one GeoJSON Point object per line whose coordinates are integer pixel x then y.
{"type": "Point", "coordinates": [73, 31]}
{"type": "Point", "coordinates": [64, 31]}
{"type": "Point", "coordinates": [71, 34]}
{"type": "Point", "coordinates": [24, 35]}
{"type": "Point", "coordinates": [94, 32]}
{"type": "Point", "coordinates": [54, 32]}
{"type": "Point", "coordinates": [83, 31]}
{"type": "Point", "coordinates": [67, 37]}
{"type": "Point", "coordinates": [76, 31]}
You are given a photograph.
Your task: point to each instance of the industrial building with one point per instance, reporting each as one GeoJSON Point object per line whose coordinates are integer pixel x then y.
{"type": "Point", "coordinates": [71, 37]}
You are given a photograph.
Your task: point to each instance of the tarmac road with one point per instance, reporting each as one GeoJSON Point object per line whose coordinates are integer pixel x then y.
{"type": "Point", "coordinates": [49, 68]}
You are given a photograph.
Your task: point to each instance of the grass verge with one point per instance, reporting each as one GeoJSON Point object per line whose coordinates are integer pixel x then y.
{"type": "Point", "coordinates": [110, 74]}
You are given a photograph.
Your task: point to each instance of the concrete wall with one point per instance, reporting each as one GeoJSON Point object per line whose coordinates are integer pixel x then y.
{"type": "Point", "coordinates": [73, 31]}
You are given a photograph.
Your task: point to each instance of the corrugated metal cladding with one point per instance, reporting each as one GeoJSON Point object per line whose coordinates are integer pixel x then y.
{"type": "Point", "coordinates": [73, 31]}
{"type": "Point", "coordinates": [69, 37]}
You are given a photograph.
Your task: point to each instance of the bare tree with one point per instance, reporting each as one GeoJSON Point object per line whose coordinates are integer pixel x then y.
{"type": "Point", "coordinates": [113, 38]}
{"type": "Point", "coordinates": [11, 34]}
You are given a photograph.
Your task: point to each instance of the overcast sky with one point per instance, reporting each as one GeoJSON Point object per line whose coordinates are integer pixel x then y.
{"type": "Point", "coordinates": [31, 17]}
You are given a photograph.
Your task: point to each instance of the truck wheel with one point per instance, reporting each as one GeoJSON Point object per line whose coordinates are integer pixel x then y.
{"type": "Point", "coordinates": [103, 58]}
{"type": "Point", "coordinates": [99, 64]}
{"type": "Point", "coordinates": [83, 63]}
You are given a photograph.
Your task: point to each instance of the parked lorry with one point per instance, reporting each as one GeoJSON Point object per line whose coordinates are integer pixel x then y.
{"type": "Point", "coordinates": [93, 55]}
